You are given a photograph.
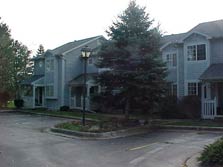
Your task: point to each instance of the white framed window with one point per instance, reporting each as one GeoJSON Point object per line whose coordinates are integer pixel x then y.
{"type": "Point", "coordinates": [49, 65]}
{"type": "Point", "coordinates": [194, 88]}
{"type": "Point", "coordinates": [90, 60]}
{"type": "Point", "coordinates": [49, 91]}
{"type": "Point", "coordinates": [196, 52]}
{"type": "Point", "coordinates": [172, 89]}
{"type": "Point", "coordinates": [171, 60]}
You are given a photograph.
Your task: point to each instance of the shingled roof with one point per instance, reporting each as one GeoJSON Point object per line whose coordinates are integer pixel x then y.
{"type": "Point", "coordinates": [71, 45]}
{"type": "Point", "coordinates": [212, 29]}
{"type": "Point", "coordinates": [213, 72]}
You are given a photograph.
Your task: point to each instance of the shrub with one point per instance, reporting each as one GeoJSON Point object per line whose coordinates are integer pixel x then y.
{"type": "Point", "coordinates": [4, 98]}
{"type": "Point", "coordinates": [64, 108]}
{"type": "Point", "coordinates": [19, 103]}
{"type": "Point", "coordinates": [169, 108]}
{"type": "Point", "coordinates": [190, 107]}
{"type": "Point", "coordinates": [212, 154]}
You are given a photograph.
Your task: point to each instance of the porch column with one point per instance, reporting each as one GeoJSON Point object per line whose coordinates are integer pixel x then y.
{"type": "Point", "coordinates": [34, 95]}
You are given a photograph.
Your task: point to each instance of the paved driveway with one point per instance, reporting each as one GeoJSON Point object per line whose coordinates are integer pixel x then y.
{"type": "Point", "coordinates": [23, 143]}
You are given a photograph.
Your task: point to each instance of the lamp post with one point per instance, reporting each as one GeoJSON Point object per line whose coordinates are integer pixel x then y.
{"type": "Point", "coordinates": [85, 54]}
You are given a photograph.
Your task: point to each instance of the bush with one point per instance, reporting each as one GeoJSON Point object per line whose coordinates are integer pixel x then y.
{"type": "Point", "coordinates": [4, 98]}
{"type": "Point", "coordinates": [19, 103]}
{"type": "Point", "coordinates": [64, 108]}
{"type": "Point", "coordinates": [212, 154]}
{"type": "Point", "coordinates": [190, 107]}
{"type": "Point", "coordinates": [169, 108]}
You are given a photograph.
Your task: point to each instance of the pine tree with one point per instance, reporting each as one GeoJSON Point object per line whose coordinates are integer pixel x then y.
{"type": "Point", "coordinates": [40, 50]}
{"type": "Point", "coordinates": [132, 55]}
{"type": "Point", "coordinates": [14, 60]}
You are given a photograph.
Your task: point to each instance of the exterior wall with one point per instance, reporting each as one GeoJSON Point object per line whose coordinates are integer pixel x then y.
{"type": "Point", "coordinates": [74, 67]}
{"type": "Point", "coordinates": [51, 78]}
{"type": "Point", "coordinates": [37, 69]}
{"type": "Point", "coordinates": [180, 74]}
{"type": "Point", "coordinates": [172, 71]}
{"type": "Point", "coordinates": [194, 69]}
{"type": "Point", "coordinates": [216, 51]}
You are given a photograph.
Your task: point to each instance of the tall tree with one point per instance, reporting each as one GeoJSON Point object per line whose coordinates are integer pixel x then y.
{"type": "Point", "coordinates": [132, 56]}
{"type": "Point", "coordinates": [40, 50]}
{"type": "Point", "coordinates": [14, 60]}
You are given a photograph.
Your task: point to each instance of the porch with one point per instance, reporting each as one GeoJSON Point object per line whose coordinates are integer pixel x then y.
{"type": "Point", "coordinates": [212, 92]}
{"type": "Point", "coordinates": [33, 91]}
{"type": "Point", "coordinates": [76, 90]}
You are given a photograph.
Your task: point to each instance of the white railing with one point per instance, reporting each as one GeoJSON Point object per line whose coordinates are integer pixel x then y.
{"type": "Point", "coordinates": [209, 109]}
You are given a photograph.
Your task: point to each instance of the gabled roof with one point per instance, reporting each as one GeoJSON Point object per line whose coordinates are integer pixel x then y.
{"type": "Point", "coordinates": [73, 45]}
{"type": "Point", "coordinates": [212, 29]}
{"type": "Point", "coordinates": [79, 80]}
{"type": "Point", "coordinates": [31, 79]}
{"type": "Point", "coordinates": [214, 73]}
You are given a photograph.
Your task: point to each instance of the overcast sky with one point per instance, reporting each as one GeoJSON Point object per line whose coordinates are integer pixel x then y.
{"type": "Point", "coordinates": [55, 22]}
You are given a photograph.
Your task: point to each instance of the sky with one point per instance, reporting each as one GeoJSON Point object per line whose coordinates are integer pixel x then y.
{"type": "Point", "coordinates": [55, 22]}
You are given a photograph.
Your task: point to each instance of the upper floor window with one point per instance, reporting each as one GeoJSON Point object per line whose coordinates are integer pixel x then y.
{"type": "Point", "coordinates": [171, 60]}
{"type": "Point", "coordinates": [196, 52]}
{"type": "Point", "coordinates": [49, 65]}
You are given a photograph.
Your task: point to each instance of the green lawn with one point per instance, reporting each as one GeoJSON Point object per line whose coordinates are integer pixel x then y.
{"type": "Point", "coordinates": [208, 123]}
{"type": "Point", "coordinates": [10, 104]}
{"type": "Point", "coordinates": [72, 114]}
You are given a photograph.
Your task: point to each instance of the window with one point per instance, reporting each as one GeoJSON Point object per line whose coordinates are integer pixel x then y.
{"type": "Point", "coordinates": [196, 52]}
{"type": "Point", "coordinates": [171, 60]}
{"type": "Point", "coordinates": [90, 60]}
{"type": "Point", "coordinates": [172, 89]}
{"type": "Point", "coordinates": [49, 65]}
{"type": "Point", "coordinates": [194, 88]}
{"type": "Point", "coordinates": [49, 91]}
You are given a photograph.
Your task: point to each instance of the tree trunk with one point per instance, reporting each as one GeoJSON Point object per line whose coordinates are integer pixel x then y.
{"type": "Point", "coordinates": [127, 106]}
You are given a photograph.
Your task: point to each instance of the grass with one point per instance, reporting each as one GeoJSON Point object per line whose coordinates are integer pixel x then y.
{"type": "Point", "coordinates": [72, 114]}
{"type": "Point", "coordinates": [10, 104]}
{"type": "Point", "coordinates": [207, 123]}
{"type": "Point", "coordinates": [69, 126]}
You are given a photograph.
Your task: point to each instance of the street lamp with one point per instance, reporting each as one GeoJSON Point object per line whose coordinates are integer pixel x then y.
{"type": "Point", "coordinates": [85, 54]}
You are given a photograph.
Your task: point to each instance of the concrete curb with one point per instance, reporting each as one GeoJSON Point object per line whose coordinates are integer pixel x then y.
{"type": "Point", "coordinates": [198, 128]}
{"type": "Point", "coordinates": [192, 161]}
{"type": "Point", "coordinates": [57, 116]}
{"type": "Point", "coordinates": [104, 135]}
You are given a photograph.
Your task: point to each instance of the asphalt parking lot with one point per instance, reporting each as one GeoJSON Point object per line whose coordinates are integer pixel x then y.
{"type": "Point", "coordinates": [24, 143]}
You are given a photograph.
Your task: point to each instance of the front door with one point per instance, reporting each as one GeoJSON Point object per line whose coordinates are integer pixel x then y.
{"type": "Point", "coordinates": [79, 92]}
{"type": "Point", "coordinates": [39, 96]}
{"type": "Point", "coordinates": [220, 99]}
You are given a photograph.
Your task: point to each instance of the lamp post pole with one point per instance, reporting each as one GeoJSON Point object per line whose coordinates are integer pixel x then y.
{"type": "Point", "coordinates": [84, 91]}
{"type": "Point", "coordinates": [85, 54]}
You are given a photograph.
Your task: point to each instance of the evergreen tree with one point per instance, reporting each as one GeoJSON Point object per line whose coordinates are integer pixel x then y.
{"type": "Point", "coordinates": [132, 55]}
{"type": "Point", "coordinates": [40, 50]}
{"type": "Point", "coordinates": [14, 60]}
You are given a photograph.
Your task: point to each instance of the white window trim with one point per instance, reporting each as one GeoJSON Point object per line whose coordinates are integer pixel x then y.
{"type": "Point", "coordinates": [165, 59]}
{"type": "Point", "coordinates": [51, 70]}
{"type": "Point", "coordinates": [186, 86]}
{"type": "Point", "coordinates": [46, 91]}
{"type": "Point", "coordinates": [195, 44]}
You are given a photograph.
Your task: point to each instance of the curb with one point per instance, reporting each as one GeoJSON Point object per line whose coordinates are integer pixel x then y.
{"type": "Point", "coordinates": [57, 116]}
{"type": "Point", "coordinates": [192, 161]}
{"type": "Point", "coordinates": [198, 128]}
{"type": "Point", "coordinates": [104, 135]}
